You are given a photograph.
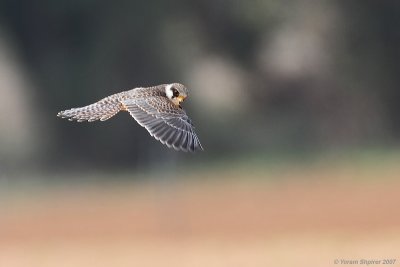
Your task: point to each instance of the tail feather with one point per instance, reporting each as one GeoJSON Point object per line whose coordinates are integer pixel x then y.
{"type": "Point", "coordinates": [101, 110]}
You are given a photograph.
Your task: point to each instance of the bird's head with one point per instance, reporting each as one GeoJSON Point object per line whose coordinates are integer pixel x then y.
{"type": "Point", "coordinates": [176, 92]}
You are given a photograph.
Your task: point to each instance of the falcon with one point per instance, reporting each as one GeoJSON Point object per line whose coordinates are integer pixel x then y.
{"type": "Point", "coordinates": [157, 108]}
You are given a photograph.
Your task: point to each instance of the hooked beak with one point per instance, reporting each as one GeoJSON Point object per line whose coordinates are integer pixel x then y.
{"type": "Point", "coordinates": [181, 98]}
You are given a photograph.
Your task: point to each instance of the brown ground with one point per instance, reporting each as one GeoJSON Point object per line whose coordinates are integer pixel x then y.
{"type": "Point", "coordinates": [307, 217]}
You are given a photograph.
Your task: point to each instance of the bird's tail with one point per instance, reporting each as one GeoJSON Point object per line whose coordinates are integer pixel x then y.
{"type": "Point", "coordinates": [101, 110]}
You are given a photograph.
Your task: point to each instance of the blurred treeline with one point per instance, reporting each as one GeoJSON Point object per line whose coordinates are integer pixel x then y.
{"type": "Point", "coordinates": [264, 76]}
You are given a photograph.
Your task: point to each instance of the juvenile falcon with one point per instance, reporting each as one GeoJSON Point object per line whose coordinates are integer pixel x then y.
{"type": "Point", "coordinates": [157, 108]}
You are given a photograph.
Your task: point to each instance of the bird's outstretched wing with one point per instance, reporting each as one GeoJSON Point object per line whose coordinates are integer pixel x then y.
{"type": "Point", "coordinates": [165, 122]}
{"type": "Point", "coordinates": [101, 110]}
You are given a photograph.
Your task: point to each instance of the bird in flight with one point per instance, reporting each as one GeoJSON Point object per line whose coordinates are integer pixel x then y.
{"type": "Point", "coordinates": [157, 108]}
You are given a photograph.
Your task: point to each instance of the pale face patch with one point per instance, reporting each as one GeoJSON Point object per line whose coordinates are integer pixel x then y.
{"type": "Point", "coordinates": [168, 91]}
{"type": "Point", "coordinates": [174, 94]}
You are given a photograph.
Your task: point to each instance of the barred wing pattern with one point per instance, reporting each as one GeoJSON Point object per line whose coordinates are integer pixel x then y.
{"type": "Point", "coordinates": [101, 110]}
{"type": "Point", "coordinates": [165, 122]}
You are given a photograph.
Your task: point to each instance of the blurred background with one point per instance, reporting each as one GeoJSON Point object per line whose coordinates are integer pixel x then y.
{"type": "Point", "coordinates": [295, 102]}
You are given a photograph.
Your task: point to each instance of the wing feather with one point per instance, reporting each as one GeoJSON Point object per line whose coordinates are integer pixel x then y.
{"type": "Point", "coordinates": [165, 122]}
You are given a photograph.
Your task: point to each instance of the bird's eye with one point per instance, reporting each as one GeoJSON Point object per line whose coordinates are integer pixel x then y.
{"type": "Point", "coordinates": [175, 92]}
